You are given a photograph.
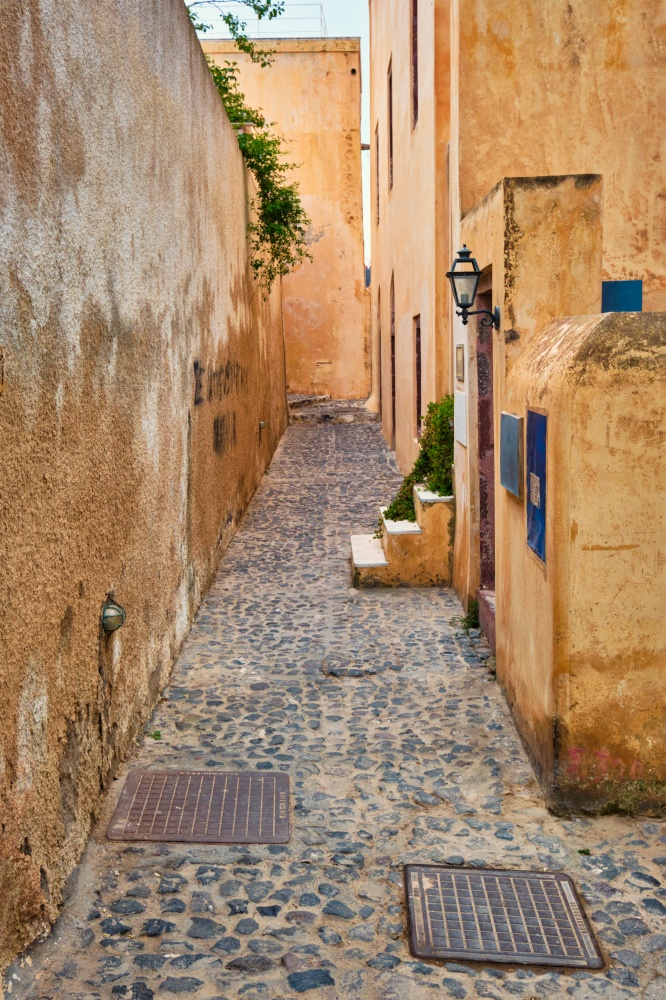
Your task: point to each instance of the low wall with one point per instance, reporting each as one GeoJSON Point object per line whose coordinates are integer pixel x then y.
{"type": "Point", "coordinates": [581, 634]}
{"type": "Point", "coordinates": [136, 362]}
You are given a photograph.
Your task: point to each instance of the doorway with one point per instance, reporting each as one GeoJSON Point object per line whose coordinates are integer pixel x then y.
{"type": "Point", "coordinates": [486, 439]}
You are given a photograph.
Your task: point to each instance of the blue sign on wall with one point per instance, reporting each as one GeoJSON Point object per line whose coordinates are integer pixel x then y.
{"type": "Point", "coordinates": [511, 452]}
{"type": "Point", "coordinates": [621, 296]}
{"type": "Point", "coordinates": [536, 482]}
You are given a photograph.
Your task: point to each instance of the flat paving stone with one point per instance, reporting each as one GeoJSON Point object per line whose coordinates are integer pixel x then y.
{"type": "Point", "coordinates": [288, 668]}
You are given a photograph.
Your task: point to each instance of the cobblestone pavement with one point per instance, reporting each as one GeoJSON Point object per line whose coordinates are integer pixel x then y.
{"type": "Point", "coordinates": [400, 748]}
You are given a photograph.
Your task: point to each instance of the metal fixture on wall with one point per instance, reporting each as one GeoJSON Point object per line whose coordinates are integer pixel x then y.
{"type": "Point", "coordinates": [113, 617]}
{"type": "Point", "coordinates": [464, 277]}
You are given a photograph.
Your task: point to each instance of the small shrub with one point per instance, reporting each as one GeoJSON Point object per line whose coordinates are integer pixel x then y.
{"type": "Point", "coordinates": [433, 467]}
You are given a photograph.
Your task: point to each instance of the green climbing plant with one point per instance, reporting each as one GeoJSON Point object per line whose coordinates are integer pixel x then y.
{"type": "Point", "coordinates": [433, 466]}
{"type": "Point", "coordinates": [279, 223]}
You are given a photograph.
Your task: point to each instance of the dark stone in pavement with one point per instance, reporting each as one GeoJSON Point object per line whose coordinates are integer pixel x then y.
{"type": "Point", "coordinates": [186, 984]}
{"type": "Point", "coordinates": [155, 927]}
{"type": "Point", "coordinates": [336, 908]}
{"type": "Point", "coordinates": [251, 963]}
{"type": "Point", "coordinates": [300, 982]}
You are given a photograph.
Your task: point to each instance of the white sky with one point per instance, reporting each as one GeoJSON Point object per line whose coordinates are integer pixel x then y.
{"type": "Point", "coordinates": [347, 18]}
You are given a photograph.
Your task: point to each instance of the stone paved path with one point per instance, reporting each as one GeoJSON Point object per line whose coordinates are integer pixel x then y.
{"type": "Point", "coordinates": [408, 754]}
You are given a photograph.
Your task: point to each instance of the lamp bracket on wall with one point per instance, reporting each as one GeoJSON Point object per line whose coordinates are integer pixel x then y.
{"type": "Point", "coordinates": [490, 318]}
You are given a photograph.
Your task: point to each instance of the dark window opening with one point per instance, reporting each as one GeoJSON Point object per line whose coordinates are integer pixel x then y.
{"type": "Point", "coordinates": [390, 125]}
{"type": "Point", "coordinates": [393, 434]}
{"type": "Point", "coordinates": [418, 399]}
{"type": "Point", "coordinates": [379, 341]}
{"type": "Point", "coordinates": [415, 62]}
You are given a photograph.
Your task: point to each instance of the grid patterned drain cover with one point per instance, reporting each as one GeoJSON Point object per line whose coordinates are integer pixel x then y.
{"type": "Point", "coordinates": [200, 807]}
{"type": "Point", "coordinates": [484, 915]}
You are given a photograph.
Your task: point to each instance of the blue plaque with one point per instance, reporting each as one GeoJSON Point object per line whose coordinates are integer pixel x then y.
{"type": "Point", "coordinates": [511, 453]}
{"type": "Point", "coordinates": [536, 482]}
{"type": "Point", "coordinates": [621, 296]}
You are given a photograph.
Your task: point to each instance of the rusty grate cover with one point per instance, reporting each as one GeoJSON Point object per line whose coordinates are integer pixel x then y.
{"type": "Point", "coordinates": [200, 807]}
{"type": "Point", "coordinates": [484, 915]}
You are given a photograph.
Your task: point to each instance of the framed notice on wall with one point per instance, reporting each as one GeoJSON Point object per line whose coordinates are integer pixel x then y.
{"type": "Point", "coordinates": [536, 460]}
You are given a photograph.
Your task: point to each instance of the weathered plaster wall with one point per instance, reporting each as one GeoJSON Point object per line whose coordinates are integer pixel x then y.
{"type": "Point", "coordinates": [137, 362]}
{"type": "Point", "coordinates": [312, 92]}
{"type": "Point", "coordinates": [569, 88]}
{"type": "Point", "coordinates": [541, 239]}
{"type": "Point", "coordinates": [410, 242]}
{"type": "Point", "coordinates": [581, 638]}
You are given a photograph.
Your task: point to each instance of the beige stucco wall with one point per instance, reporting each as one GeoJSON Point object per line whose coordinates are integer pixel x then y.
{"type": "Point", "coordinates": [569, 87]}
{"type": "Point", "coordinates": [581, 638]}
{"type": "Point", "coordinates": [312, 92]}
{"type": "Point", "coordinates": [137, 361]}
{"type": "Point", "coordinates": [541, 238]}
{"type": "Point", "coordinates": [410, 243]}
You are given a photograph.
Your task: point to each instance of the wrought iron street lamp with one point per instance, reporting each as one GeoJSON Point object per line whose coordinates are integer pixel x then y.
{"type": "Point", "coordinates": [464, 277]}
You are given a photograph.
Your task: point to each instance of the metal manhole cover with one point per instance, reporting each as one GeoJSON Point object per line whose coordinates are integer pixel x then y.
{"type": "Point", "coordinates": [523, 918]}
{"type": "Point", "coordinates": [228, 807]}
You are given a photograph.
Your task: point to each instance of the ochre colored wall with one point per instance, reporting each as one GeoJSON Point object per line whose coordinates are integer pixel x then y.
{"type": "Point", "coordinates": [410, 243]}
{"type": "Point", "coordinates": [570, 87]}
{"type": "Point", "coordinates": [312, 91]}
{"type": "Point", "coordinates": [137, 361]}
{"type": "Point", "coordinates": [582, 637]}
{"type": "Point", "coordinates": [541, 238]}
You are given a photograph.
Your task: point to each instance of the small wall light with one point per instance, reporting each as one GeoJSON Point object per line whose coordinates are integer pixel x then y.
{"type": "Point", "coordinates": [113, 617]}
{"type": "Point", "coordinates": [464, 277]}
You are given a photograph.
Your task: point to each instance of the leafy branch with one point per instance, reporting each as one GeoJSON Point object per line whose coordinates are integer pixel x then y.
{"type": "Point", "coordinates": [237, 28]}
{"type": "Point", "coordinates": [278, 236]}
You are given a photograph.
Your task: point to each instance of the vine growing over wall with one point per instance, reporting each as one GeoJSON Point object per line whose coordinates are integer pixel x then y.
{"type": "Point", "coordinates": [278, 231]}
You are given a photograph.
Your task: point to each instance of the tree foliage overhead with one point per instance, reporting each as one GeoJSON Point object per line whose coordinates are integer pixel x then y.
{"type": "Point", "coordinates": [278, 230]}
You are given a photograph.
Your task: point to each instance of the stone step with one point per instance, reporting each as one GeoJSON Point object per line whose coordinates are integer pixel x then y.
{"type": "Point", "coordinates": [367, 551]}
{"type": "Point", "coordinates": [411, 553]}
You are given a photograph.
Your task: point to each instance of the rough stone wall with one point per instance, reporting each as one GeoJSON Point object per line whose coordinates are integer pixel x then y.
{"type": "Point", "coordinates": [312, 92]}
{"type": "Point", "coordinates": [136, 361]}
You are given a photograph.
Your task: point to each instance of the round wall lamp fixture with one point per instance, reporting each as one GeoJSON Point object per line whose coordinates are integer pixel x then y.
{"type": "Point", "coordinates": [464, 277]}
{"type": "Point", "coordinates": [113, 617]}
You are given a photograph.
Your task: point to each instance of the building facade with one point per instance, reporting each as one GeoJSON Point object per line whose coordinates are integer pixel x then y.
{"type": "Point", "coordinates": [312, 92]}
{"type": "Point", "coordinates": [540, 149]}
{"type": "Point", "coordinates": [410, 312]}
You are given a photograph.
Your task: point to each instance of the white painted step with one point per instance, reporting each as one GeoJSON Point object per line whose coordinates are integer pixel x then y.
{"type": "Point", "coordinates": [367, 551]}
{"type": "Point", "coordinates": [426, 496]}
{"type": "Point", "coordinates": [399, 527]}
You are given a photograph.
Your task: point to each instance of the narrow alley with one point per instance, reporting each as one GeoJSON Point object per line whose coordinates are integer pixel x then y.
{"type": "Point", "coordinates": [399, 746]}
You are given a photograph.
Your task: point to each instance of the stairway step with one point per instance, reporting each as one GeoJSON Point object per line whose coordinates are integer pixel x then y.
{"type": "Point", "coordinates": [367, 551]}
{"type": "Point", "coordinates": [399, 527]}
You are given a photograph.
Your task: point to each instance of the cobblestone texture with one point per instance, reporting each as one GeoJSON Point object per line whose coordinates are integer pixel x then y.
{"type": "Point", "coordinates": [400, 748]}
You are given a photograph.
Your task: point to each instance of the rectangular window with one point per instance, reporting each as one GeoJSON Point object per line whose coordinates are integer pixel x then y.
{"type": "Point", "coordinates": [415, 62]}
{"type": "Point", "coordinates": [390, 125]}
{"type": "Point", "coordinates": [377, 170]}
{"type": "Point", "coordinates": [418, 399]}
{"type": "Point", "coordinates": [621, 296]}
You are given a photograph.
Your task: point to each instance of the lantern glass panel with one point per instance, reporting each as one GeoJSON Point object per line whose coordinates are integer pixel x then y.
{"type": "Point", "coordinates": [465, 284]}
